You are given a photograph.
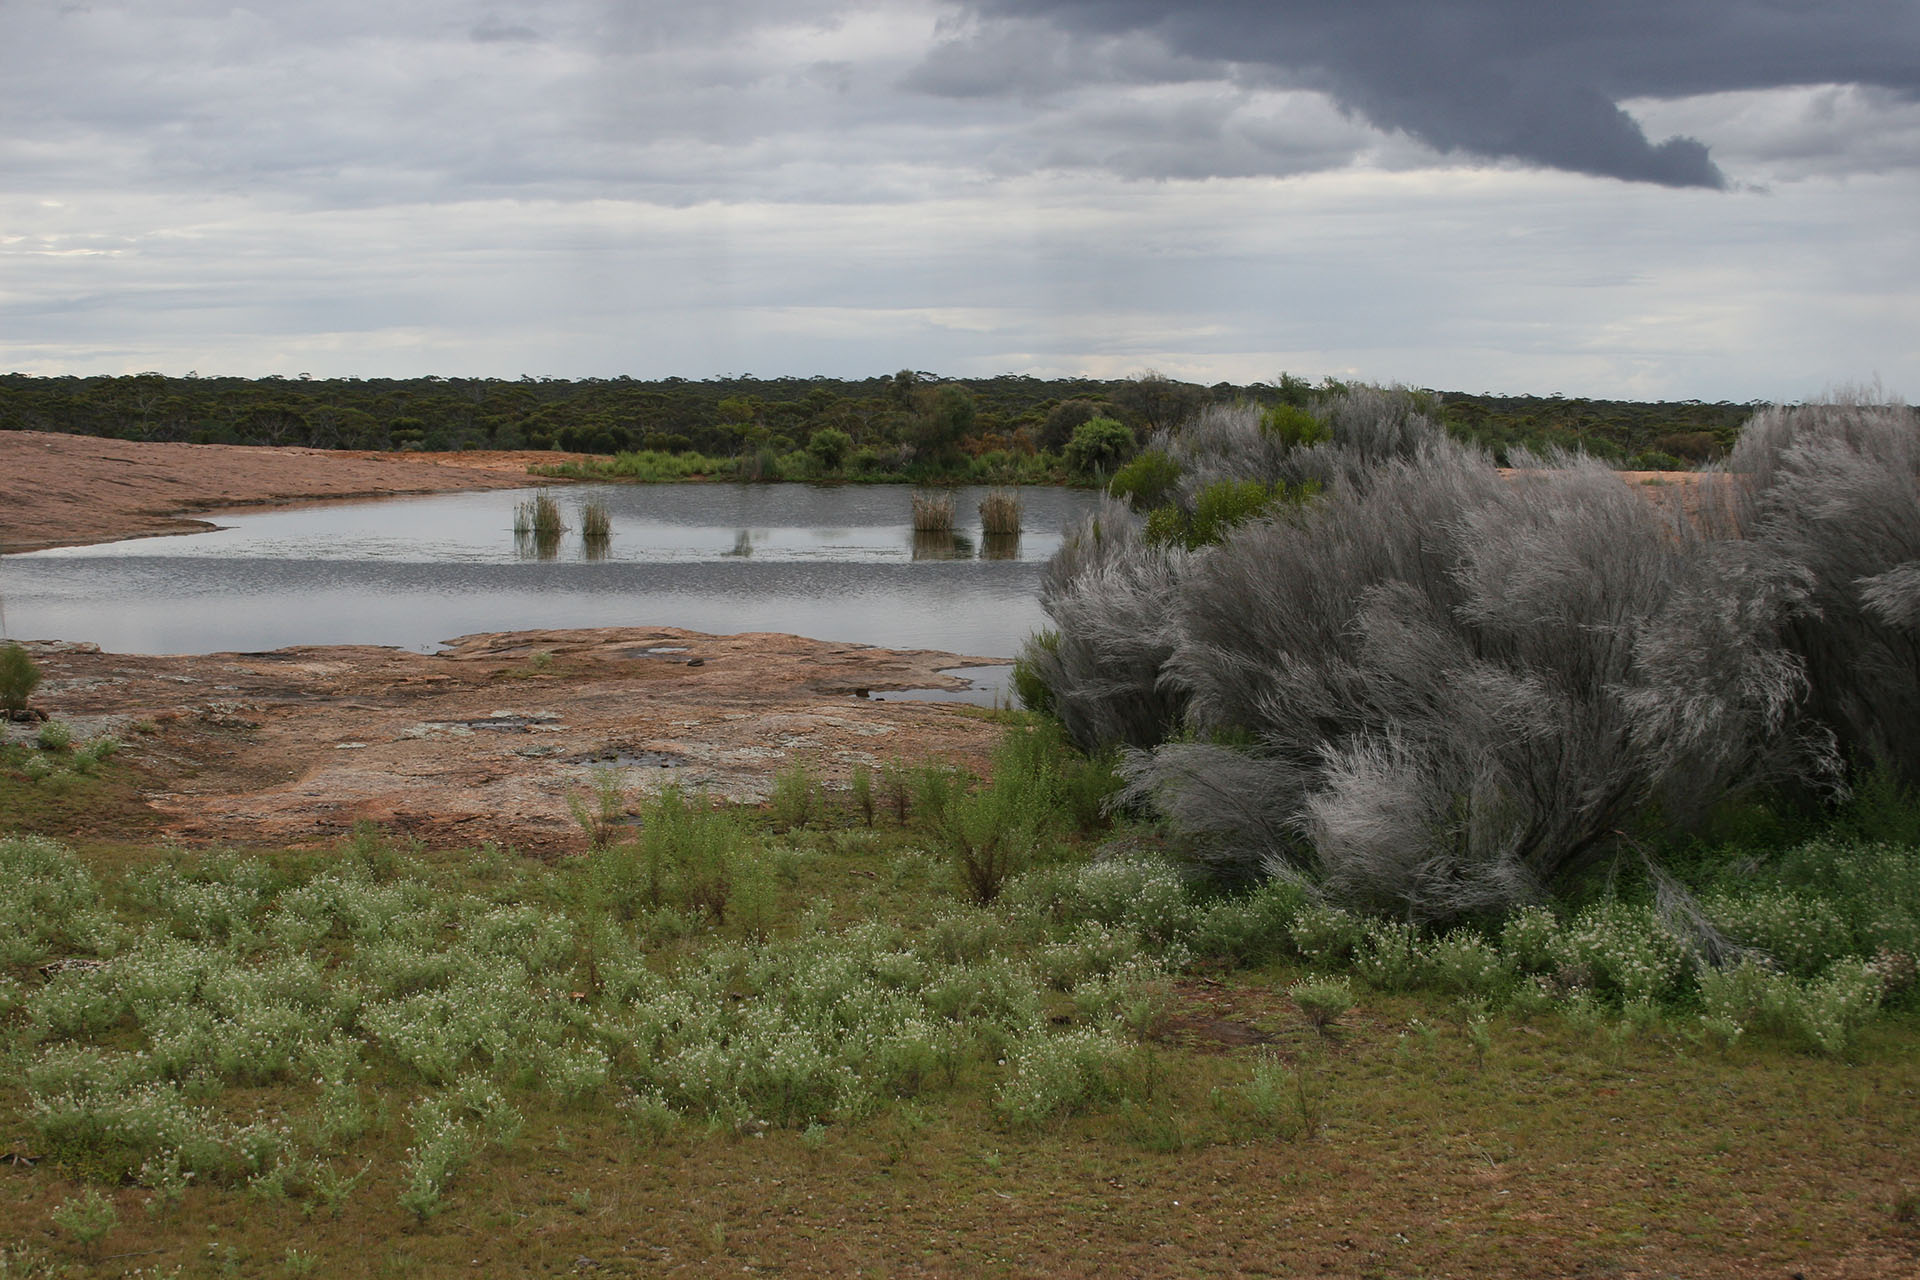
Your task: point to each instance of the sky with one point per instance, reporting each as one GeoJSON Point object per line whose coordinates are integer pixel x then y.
{"type": "Point", "coordinates": [1671, 199]}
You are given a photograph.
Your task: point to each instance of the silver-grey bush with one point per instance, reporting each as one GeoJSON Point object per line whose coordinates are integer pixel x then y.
{"type": "Point", "coordinates": [1461, 688]}
{"type": "Point", "coordinates": [1833, 489]}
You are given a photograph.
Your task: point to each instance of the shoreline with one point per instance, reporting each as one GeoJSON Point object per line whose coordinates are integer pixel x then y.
{"type": "Point", "coordinates": [70, 491]}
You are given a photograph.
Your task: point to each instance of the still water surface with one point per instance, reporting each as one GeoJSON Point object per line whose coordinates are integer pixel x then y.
{"type": "Point", "coordinates": [834, 563]}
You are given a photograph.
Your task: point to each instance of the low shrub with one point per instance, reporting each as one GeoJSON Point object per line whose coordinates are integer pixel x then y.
{"type": "Point", "coordinates": [1249, 928]}
{"type": "Point", "coordinates": [1322, 1001]}
{"type": "Point", "coordinates": [19, 677]}
{"type": "Point", "coordinates": [1055, 1075]}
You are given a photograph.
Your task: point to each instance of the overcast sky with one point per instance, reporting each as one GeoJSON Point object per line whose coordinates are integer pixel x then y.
{"type": "Point", "coordinates": [1712, 199]}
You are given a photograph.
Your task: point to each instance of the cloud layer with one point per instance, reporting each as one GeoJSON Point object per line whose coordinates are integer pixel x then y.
{"type": "Point", "coordinates": [1504, 79]}
{"type": "Point", "coordinates": [1704, 199]}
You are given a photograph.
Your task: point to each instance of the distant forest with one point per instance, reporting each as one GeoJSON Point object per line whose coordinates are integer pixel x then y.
{"type": "Point", "coordinates": [888, 421]}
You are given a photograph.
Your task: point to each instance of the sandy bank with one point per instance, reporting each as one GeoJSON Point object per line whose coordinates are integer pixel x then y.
{"type": "Point", "coordinates": [62, 490]}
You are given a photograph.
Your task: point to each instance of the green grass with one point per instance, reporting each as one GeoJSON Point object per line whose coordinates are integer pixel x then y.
{"type": "Point", "coordinates": [807, 1038]}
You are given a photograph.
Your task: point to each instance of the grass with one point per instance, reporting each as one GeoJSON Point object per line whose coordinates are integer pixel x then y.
{"type": "Point", "coordinates": [933, 512]}
{"type": "Point", "coordinates": [805, 1039]}
{"type": "Point", "coordinates": [538, 526]}
{"type": "Point", "coordinates": [1000, 513]}
{"type": "Point", "coordinates": [596, 523]}
{"type": "Point", "coordinates": [539, 516]}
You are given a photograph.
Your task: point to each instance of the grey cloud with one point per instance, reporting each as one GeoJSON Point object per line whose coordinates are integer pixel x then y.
{"type": "Point", "coordinates": [1514, 79]}
{"type": "Point", "coordinates": [491, 30]}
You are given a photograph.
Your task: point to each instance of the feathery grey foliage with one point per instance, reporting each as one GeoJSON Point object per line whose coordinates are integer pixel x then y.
{"type": "Point", "coordinates": [1369, 426]}
{"type": "Point", "coordinates": [1437, 689]}
{"type": "Point", "coordinates": [1108, 590]}
{"type": "Point", "coordinates": [1834, 489]}
{"type": "Point", "coordinates": [1462, 686]}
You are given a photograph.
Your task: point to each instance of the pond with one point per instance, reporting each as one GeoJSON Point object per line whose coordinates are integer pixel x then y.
{"type": "Point", "coordinates": [839, 563]}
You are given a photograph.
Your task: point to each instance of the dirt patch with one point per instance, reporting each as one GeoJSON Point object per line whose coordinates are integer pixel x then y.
{"type": "Point", "coordinates": [62, 490]}
{"type": "Point", "coordinates": [487, 739]}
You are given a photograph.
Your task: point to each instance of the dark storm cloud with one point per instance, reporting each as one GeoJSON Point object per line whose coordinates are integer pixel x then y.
{"type": "Point", "coordinates": [1519, 79]}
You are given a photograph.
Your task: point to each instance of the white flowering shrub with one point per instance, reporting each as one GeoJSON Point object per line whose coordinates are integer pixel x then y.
{"type": "Point", "coordinates": [1823, 1014]}
{"type": "Point", "coordinates": [1463, 962]}
{"type": "Point", "coordinates": [1530, 939]}
{"type": "Point", "coordinates": [1089, 950]}
{"type": "Point", "coordinates": [965, 936]}
{"type": "Point", "coordinates": [1054, 1075]}
{"type": "Point", "coordinates": [1627, 951]}
{"type": "Point", "coordinates": [537, 940]}
{"type": "Point", "coordinates": [1327, 936]}
{"type": "Point", "coordinates": [49, 901]}
{"type": "Point", "coordinates": [1801, 932]}
{"type": "Point", "coordinates": [1391, 956]}
{"type": "Point", "coordinates": [202, 908]}
{"type": "Point", "coordinates": [1136, 995]}
{"type": "Point", "coordinates": [1145, 894]}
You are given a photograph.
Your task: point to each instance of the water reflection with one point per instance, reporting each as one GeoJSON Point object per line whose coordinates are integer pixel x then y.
{"type": "Point", "coordinates": [594, 546]}
{"type": "Point", "coordinates": [1000, 546]}
{"type": "Point", "coordinates": [537, 544]}
{"type": "Point", "coordinates": [941, 544]}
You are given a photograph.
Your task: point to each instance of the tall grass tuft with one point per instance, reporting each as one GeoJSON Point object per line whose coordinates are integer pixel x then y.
{"type": "Point", "coordinates": [539, 516]}
{"type": "Point", "coordinates": [1000, 513]}
{"type": "Point", "coordinates": [596, 523]}
{"type": "Point", "coordinates": [537, 526]}
{"type": "Point", "coordinates": [933, 512]}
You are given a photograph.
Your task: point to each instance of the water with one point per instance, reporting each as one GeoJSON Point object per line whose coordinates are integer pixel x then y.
{"type": "Point", "coordinates": [834, 563]}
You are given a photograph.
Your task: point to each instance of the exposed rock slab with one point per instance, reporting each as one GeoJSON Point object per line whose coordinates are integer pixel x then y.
{"type": "Point", "coordinates": [488, 738]}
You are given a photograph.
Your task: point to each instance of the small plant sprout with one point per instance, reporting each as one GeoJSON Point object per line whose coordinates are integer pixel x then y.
{"type": "Point", "coordinates": [860, 790]}
{"type": "Point", "coordinates": [86, 1218]}
{"type": "Point", "coordinates": [600, 817]}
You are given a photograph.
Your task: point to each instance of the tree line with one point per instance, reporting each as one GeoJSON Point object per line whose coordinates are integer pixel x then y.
{"type": "Point", "coordinates": [909, 420]}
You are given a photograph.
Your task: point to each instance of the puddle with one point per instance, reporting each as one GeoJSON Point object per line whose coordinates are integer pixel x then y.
{"type": "Point", "coordinates": [513, 721]}
{"type": "Point", "coordinates": [838, 562]}
{"type": "Point", "coordinates": [986, 687]}
{"type": "Point", "coordinates": [619, 758]}
{"type": "Point", "coordinates": [498, 722]}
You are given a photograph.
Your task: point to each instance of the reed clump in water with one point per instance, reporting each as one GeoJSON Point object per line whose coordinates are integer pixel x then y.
{"type": "Point", "coordinates": [596, 522]}
{"type": "Point", "coordinates": [1000, 513]}
{"type": "Point", "coordinates": [933, 513]}
{"type": "Point", "coordinates": [539, 516]}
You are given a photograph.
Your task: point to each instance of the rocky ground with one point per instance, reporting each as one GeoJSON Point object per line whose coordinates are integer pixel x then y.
{"type": "Point", "coordinates": [486, 740]}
